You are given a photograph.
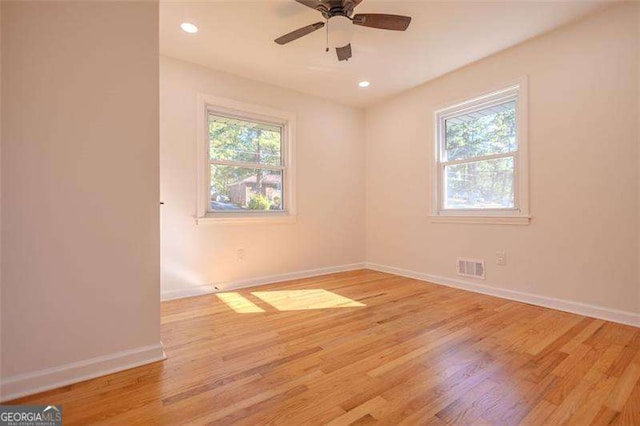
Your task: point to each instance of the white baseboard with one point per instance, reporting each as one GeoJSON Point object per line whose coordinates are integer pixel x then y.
{"type": "Point", "coordinates": [182, 293]}
{"type": "Point", "coordinates": [55, 377]}
{"type": "Point", "coordinates": [608, 314]}
{"type": "Point", "coordinates": [254, 282]}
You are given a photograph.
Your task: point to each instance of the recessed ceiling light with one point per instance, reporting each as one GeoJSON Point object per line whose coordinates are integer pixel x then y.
{"type": "Point", "coordinates": [188, 27]}
{"type": "Point", "coordinates": [364, 84]}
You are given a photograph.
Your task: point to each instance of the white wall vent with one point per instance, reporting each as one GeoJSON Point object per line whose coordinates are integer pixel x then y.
{"type": "Point", "coordinates": [471, 268]}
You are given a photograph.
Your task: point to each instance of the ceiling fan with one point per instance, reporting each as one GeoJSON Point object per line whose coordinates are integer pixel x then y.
{"type": "Point", "coordinates": [345, 8]}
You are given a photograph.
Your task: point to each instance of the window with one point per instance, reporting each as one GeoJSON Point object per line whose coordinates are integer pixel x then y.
{"type": "Point", "coordinates": [480, 167]}
{"type": "Point", "coordinates": [246, 162]}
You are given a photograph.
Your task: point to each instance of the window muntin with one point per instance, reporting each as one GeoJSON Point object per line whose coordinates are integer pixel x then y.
{"type": "Point", "coordinates": [246, 165]}
{"type": "Point", "coordinates": [478, 156]}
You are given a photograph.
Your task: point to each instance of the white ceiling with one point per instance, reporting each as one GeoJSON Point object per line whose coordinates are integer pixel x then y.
{"type": "Point", "coordinates": [236, 36]}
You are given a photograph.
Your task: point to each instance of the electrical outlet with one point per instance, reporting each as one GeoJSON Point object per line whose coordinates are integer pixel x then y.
{"type": "Point", "coordinates": [501, 258]}
{"type": "Point", "coordinates": [240, 254]}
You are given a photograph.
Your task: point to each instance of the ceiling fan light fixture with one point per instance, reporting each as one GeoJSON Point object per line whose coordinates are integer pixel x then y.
{"type": "Point", "coordinates": [340, 31]}
{"type": "Point", "coordinates": [188, 27]}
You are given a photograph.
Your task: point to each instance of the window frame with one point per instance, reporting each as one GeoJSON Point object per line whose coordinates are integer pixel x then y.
{"type": "Point", "coordinates": [248, 112]}
{"type": "Point", "coordinates": [519, 214]}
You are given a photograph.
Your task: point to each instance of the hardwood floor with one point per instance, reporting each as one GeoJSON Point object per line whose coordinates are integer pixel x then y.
{"type": "Point", "coordinates": [365, 347]}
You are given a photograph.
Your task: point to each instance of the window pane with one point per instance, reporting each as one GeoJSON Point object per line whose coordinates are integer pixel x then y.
{"type": "Point", "coordinates": [480, 185]}
{"type": "Point", "coordinates": [239, 140]}
{"type": "Point", "coordinates": [240, 188]}
{"type": "Point", "coordinates": [488, 131]}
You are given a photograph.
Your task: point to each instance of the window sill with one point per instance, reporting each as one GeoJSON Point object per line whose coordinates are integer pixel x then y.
{"type": "Point", "coordinates": [482, 220]}
{"type": "Point", "coordinates": [246, 219]}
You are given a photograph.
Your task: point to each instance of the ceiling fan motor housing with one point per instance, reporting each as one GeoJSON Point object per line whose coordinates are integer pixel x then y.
{"type": "Point", "coordinates": [331, 8]}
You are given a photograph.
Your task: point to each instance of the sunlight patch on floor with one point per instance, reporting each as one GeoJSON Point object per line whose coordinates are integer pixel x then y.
{"type": "Point", "coordinates": [239, 303]}
{"type": "Point", "coordinates": [300, 300]}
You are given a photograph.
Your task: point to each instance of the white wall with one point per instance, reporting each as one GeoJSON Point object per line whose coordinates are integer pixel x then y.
{"type": "Point", "coordinates": [637, 31]}
{"type": "Point", "coordinates": [582, 244]}
{"type": "Point", "coordinates": [329, 146]}
{"type": "Point", "coordinates": [80, 189]}
{"type": "Point", "coordinates": [0, 187]}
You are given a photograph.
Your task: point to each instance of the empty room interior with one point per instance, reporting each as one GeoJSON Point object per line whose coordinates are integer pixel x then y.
{"type": "Point", "coordinates": [307, 212]}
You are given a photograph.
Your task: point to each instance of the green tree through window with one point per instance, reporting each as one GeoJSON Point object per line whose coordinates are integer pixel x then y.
{"type": "Point", "coordinates": [478, 156]}
{"type": "Point", "coordinates": [246, 162]}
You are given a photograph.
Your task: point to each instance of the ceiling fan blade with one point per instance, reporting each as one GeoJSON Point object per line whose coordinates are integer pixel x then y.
{"type": "Point", "coordinates": [344, 53]}
{"type": "Point", "coordinates": [300, 32]}
{"type": "Point", "coordinates": [313, 4]}
{"type": "Point", "coordinates": [382, 21]}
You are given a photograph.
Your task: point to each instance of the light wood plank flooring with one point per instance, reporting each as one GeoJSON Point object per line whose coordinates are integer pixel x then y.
{"type": "Point", "coordinates": [365, 347]}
